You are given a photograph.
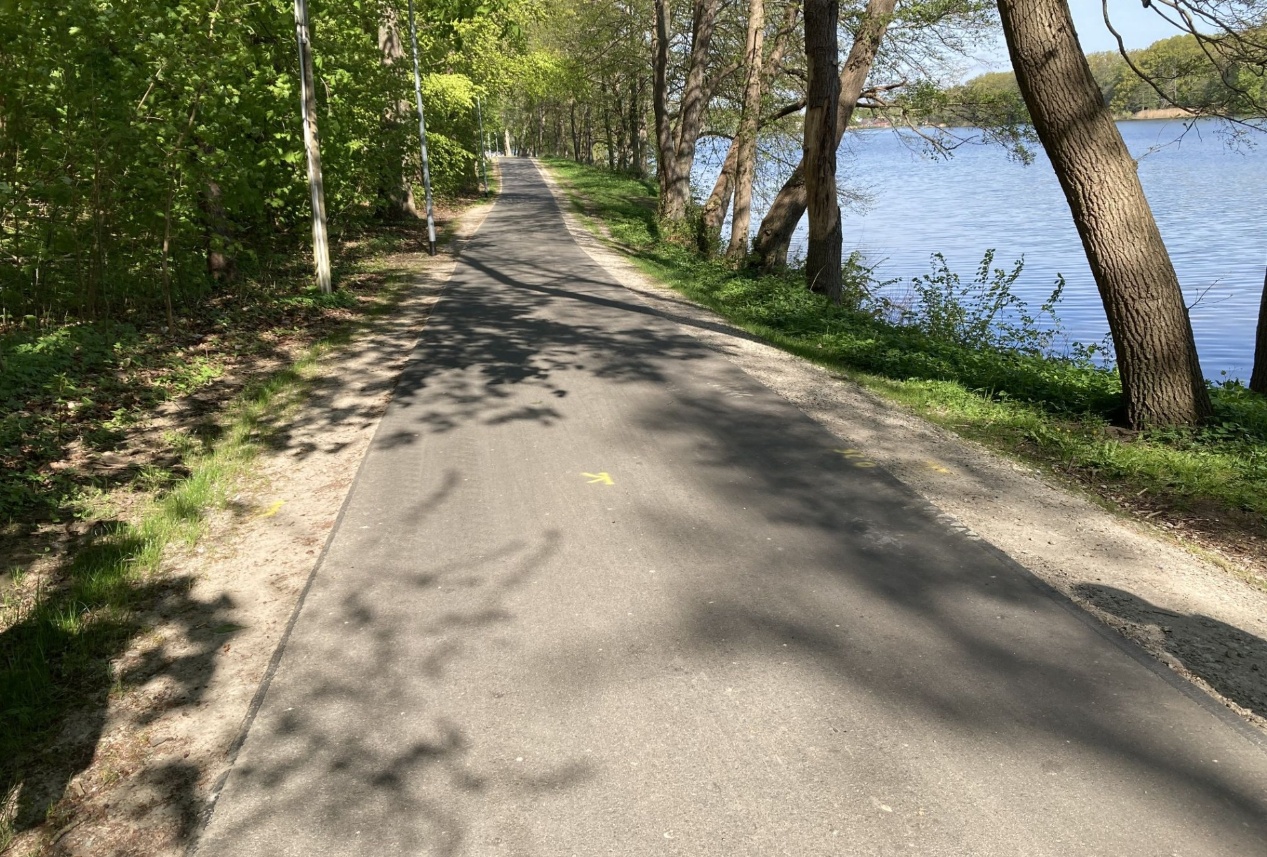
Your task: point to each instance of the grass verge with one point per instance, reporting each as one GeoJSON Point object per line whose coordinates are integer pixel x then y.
{"type": "Point", "coordinates": [1057, 414]}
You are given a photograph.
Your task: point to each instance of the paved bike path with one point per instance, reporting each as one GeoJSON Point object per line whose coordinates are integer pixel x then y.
{"type": "Point", "coordinates": [596, 591]}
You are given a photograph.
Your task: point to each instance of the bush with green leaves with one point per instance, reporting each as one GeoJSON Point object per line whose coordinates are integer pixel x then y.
{"type": "Point", "coordinates": [985, 311]}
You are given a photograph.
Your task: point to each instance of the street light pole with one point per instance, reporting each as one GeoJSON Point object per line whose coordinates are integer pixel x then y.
{"type": "Point", "coordinates": [308, 101]}
{"type": "Point", "coordinates": [479, 115]}
{"type": "Point", "coordinates": [422, 134]}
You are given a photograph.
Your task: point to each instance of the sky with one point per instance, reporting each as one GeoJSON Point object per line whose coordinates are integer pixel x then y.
{"type": "Point", "coordinates": [1139, 27]}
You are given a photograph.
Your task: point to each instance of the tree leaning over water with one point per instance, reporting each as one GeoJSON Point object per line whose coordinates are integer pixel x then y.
{"type": "Point", "coordinates": [1162, 383]}
{"type": "Point", "coordinates": [774, 236]}
{"type": "Point", "coordinates": [676, 145]}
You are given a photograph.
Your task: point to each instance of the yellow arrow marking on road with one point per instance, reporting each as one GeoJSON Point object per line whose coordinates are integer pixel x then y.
{"type": "Point", "coordinates": [598, 478]}
{"type": "Point", "coordinates": [855, 457]}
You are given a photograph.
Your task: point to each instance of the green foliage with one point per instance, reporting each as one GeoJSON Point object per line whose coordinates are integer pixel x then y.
{"type": "Point", "coordinates": [985, 312]}
{"type": "Point", "coordinates": [955, 363]}
{"type": "Point", "coordinates": [163, 135]}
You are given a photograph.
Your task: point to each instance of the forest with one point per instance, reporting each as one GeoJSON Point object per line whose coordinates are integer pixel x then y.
{"type": "Point", "coordinates": [149, 152]}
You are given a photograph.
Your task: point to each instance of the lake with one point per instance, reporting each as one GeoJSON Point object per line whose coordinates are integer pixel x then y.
{"type": "Point", "coordinates": [1204, 194]}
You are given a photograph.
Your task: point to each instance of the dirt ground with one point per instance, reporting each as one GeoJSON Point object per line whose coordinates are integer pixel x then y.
{"type": "Point", "coordinates": [168, 741]}
{"type": "Point", "coordinates": [1207, 621]}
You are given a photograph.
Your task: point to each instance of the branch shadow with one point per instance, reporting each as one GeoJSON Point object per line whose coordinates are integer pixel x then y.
{"type": "Point", "coordinates": [779, 554]}
{"type": "Point", "coordinates": [1228, 659]}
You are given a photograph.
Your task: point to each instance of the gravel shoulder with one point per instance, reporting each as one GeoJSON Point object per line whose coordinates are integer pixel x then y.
{"type": "Point", "coordinates": [1199, 619]}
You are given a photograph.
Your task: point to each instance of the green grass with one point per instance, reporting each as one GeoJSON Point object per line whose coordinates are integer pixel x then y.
{"type": "Point", "coordinates": [1056, 413]}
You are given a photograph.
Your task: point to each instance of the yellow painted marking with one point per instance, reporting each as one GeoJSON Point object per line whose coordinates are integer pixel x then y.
{"type": "Point", "coordinates": [272, 510]}
{"type": "Point", "coordinates": [855, 457]}
{"type": "Point", "coordinates": [598, 478]}
{"type": "Point", "coordinates": [935, 467]}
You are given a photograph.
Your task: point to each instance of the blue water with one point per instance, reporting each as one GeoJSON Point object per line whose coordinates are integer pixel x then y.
{"type": "Point", "coordinates": [1205, 194]}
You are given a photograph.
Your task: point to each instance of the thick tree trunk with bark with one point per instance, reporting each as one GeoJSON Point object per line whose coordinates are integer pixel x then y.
{"type": "Point", "coordinates": [1258, 381]}
{"type": "Point", "coordinates": [770, 248]}
{"type": "Point", "coordinates": [746, 137]}
{"type": "Point", "coordinates": [822, 100]}
{"type": "Point", "coordinates": [637, 130]}
{"type": "Point", "coordinates": [1162, 382]}
{"type": "Point", "coordinates": [677, 195]}
{"type": "Point", "coordinates": [395, 189]}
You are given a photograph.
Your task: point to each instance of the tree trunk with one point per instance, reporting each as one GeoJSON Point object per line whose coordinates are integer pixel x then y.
{"type": "Point", "coordinates": [1258, 381]}
{"type": "Point", "coordinates": [589, 136]}
{"type": "Point", "coordinates": [638, 122]}
{"type": "Point", "coordinates": [714, 212]}
{"type": "Point", "coordinates": [665, 150]}
{"type": "Point", "coordinates": [770, 248]}
{"type": "Point", "coordinates": [395, 188]}
{"type": "Point", "coordinates": [217, 233]}
{"type": "Point", "coordinates": [1162, 382]}
{"type": "Point", "coordinates": [822, 97]}
{"type": "Point", "coordinates": [316, 183]}
{"type": "Point", "coordinates": [746, 136]}
{"type": "Point", "coordinates": [677, 196]}
{"type": "Point", "coordinates": [615, 147]}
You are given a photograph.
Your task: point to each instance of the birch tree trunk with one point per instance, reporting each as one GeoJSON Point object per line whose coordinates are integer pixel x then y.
{"type": "Point", "coordinates": [1162, 383]}
{"type": "Point", "coordinates": [822, 100]}
{"type": "Point", "coordinates": [770, 248]}
{"type": "Point", "coordinates": [746, 138]}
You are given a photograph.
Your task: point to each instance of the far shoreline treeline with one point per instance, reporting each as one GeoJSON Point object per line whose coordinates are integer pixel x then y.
{"type": "Point", "coordinates": [1181, 81]}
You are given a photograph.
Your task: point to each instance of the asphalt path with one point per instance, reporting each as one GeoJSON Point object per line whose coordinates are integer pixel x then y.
{"type": "Point", "coordinates": [596, 591]}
